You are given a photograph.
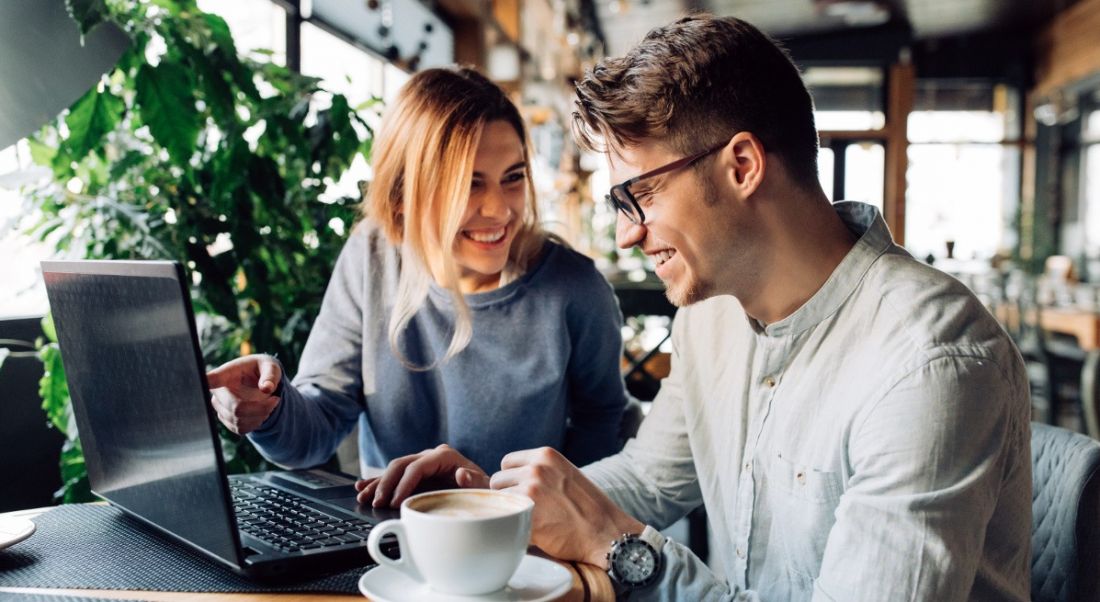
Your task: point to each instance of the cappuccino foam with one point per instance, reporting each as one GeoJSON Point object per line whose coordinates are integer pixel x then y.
{"type": "Point", "coordinates": [468, 505]}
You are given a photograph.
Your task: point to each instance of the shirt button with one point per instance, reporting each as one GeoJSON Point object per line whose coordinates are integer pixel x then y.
{"type": "Point", "coordinates": [748, 466]}
{"type": "Point", "coordinates": [801, 478]}
{"type": "Point", "coordinates": [769, 381]}
{"type": "Point", "coordinates": [740, 552]}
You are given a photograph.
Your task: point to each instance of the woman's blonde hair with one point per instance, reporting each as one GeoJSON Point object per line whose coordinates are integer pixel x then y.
{"type": "Point", "coordinates": [423, 161]}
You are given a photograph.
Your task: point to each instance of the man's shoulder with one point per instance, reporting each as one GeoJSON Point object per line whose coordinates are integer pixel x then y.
{"type": "Point", "coordinates": [928, 313]}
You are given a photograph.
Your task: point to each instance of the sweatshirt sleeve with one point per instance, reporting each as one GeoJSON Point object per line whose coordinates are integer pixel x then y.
{"type": "Point", "coordinates": [324, 401]}
{"type": "Point", "coordinates": [597, 395]}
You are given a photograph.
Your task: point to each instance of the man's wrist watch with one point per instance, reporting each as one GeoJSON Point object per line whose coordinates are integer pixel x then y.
{"type": "Point", "coordinates": [635, 561]}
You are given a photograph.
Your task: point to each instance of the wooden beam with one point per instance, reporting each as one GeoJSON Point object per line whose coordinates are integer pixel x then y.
{"type": "Point", "coordinates": [1067, 50]}
{"type": "Point", "coordinates": [860, 135]}
{"type": "Point", "coordinates": [900, 91]}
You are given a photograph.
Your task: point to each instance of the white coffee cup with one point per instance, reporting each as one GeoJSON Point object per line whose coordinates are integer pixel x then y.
{"type": "Point", "coordinates": [458, 541]}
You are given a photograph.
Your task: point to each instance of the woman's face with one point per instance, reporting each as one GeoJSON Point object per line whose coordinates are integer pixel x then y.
{"type": "Point", "coordinates": [498, 200]}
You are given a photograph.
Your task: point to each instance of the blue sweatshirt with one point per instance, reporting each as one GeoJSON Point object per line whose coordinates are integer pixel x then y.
{"type": "Point", "coordinates": [542, 368]}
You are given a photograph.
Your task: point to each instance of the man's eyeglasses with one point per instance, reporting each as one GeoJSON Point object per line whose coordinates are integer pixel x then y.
{"type": "Point", "coordinates": [622, 199]}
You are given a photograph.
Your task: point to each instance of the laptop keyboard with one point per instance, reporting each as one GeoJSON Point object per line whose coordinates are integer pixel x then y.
{"type": "Point", "coordinates": [288, 522]}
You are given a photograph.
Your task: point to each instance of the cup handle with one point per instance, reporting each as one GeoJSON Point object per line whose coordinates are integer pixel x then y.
{"type": "Point", "coordinates": [405, 562]}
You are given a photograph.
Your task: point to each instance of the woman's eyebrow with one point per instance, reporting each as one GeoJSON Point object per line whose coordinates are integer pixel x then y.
{"type": "Point", "coordinates": [513, 167]}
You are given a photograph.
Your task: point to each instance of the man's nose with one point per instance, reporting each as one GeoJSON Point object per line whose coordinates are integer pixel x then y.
{"type": "Point", "coordinates": [627, 233]}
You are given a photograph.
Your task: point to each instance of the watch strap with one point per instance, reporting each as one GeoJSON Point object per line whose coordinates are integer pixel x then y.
{"type": "Point", "coordinates": [654, 538]}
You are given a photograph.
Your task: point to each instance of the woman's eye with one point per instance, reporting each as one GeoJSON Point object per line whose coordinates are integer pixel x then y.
{"type": "Point", "coordinates": [476, 184]}
{"type": "Point", "coordinates": [515, 177]}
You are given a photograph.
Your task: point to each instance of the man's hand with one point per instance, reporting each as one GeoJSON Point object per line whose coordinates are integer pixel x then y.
{"type": "Point", "coordinates": [573, 519]}
{"type": "Point", "coordinates": [439, 468]}
{"type": "Point", "coordinates": [242, 391]}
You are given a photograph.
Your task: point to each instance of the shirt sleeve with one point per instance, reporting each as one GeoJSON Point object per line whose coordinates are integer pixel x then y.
{"type": "Point", "coordinates": [597, 395]}
{"type": "Point", "coordinates": [686, 577]}
{"type": "Point", "coordinates": [322, 405]}
{"type": "Point", "coordinates": [912, 523]}
{"type": "Point", "coordinates": [653, 479]}
{"type": "Point", "coordinates": [928, 465]}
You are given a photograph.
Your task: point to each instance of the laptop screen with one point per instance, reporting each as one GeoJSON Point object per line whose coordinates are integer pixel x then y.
{"type": "Point", "coordinates": [137, 382]}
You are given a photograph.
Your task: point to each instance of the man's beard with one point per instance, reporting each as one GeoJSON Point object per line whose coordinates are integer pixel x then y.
{"type": "Point", "coordinates": [689, 293]}
{"type": "Point", "coordinates": [695, 290]}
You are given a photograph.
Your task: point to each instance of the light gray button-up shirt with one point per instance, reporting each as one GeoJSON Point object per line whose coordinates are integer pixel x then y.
{"type": "Point", "coordinates": [873, 445]}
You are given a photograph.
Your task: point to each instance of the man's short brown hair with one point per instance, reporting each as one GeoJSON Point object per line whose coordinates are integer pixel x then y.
{"type": "Point", "coordinates": [696, 82]}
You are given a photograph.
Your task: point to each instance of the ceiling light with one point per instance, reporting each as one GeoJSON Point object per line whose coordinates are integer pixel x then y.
{"type": "Point", "coordinates": [857, 13]}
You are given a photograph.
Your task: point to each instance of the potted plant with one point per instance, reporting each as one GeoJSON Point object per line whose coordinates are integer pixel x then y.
{"type": "Point", "coordinates": [188, 151]}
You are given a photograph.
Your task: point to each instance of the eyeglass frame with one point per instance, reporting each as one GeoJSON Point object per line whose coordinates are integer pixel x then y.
{"type": "Point", "coordinates": [624, 187]}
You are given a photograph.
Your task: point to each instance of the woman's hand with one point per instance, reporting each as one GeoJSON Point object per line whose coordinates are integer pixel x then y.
{"type": "Point", "coordinates": [243, 391]}
{"type": "Point", "coordinates": [442, 467]}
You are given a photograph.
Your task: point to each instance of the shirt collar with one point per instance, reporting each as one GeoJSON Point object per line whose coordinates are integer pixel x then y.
{"type": "Point", "coordinates": [864, 221]}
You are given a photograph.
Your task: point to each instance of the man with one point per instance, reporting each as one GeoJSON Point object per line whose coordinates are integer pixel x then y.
{"type": "Point", "coordinates": [855, 422]}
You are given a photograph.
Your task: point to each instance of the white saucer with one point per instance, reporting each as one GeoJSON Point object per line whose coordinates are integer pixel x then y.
{"type": "Point", "coordinates": [536, 579]}
{"type": "Point", "coordinates": [14, 530]}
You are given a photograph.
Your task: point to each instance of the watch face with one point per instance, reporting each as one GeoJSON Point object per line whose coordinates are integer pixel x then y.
{"type": "Point", "coordinates": [635, 562]}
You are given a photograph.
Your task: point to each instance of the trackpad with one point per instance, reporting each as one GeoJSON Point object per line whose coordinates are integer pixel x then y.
{"type": "Point", "coordinates": [374, 515]}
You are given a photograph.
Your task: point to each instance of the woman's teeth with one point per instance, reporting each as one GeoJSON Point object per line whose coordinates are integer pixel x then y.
{"type": "Point", "coordinates": [486, 236]}
{"type": "Point", "coordinates": [664, 256]}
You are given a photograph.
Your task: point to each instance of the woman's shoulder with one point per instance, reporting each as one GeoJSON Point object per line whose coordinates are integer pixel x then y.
{"type": "Point", "coordinates": [568, 268]}
{"type": "Point", "coordinates": [368, 242]}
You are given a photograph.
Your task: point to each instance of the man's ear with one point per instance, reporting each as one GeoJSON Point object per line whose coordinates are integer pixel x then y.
{"type": "Point", "coordinates": [743, 163]}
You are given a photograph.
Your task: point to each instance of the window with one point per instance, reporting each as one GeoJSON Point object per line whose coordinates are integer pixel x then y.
{"type": "Point", "coordinates": [349, 70]}
{"type": "Point", "coordinates": [392, 79]}
{"type": "Point", "coordinates": [343, 68]}
{"type": "Point", "coordinates": [22, 293]}
{"type": "Point", "coordinates": [1090, 175]}
{"type": "Point", "coordinates": [864, 172]}
{"type": "Point", "coordinates": [964, 167]}
{"type": "Point", "coordinates": [846, 98]}
{"type": "Point", "coordinates": [825, 164]}
{"type": "Point", "coordinates": [852, 169]}
{"type": "Point", "coordinates": [255, 25]}
{"type": "Point", "coordinates": [847, 102]}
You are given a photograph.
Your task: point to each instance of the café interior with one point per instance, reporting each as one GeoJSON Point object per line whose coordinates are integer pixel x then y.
{"type": "Point", "coordinates": [973, 125]}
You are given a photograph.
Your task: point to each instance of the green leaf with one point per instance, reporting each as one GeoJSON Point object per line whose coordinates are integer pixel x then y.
{"type": "Point", "coordinates": [75, 488]}
{"type": "Point", "coordinates": [267, 290]}
{"type": "Point", "coordinates": [220, 34]}
{"type": "Point", "coordinates": [41, 153]}
{"type": "Point", "coordinates": [48, 328]}
{"type": "Point", "coordinates": [90, 118]}
{"type": "Point", "coordinates": [87, 13]}
{"type": "Point", "coordinates": [165, 99]}
{"type": "Point", "coordinates": [53, 388]}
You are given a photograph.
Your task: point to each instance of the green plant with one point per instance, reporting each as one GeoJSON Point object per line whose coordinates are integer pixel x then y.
{"type": "Point", "coordinates": [188, 151]}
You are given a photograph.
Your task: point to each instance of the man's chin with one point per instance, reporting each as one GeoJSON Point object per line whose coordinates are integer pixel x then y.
{"type": "Point", "coordinates": [687, 294]}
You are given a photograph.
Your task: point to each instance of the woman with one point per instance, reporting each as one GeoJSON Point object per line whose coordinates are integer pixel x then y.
{"type": "Point", "coordinates": [451, 317]}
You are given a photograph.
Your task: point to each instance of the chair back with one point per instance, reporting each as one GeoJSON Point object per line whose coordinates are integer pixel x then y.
{"type": "Point", "coordinates": [1065, 506]}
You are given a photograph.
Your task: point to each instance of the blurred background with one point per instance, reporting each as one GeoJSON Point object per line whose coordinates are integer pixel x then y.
{"type": "Point", "coordinates": [234, 135]}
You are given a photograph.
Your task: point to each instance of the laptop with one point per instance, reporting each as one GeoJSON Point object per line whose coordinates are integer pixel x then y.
{"type": "Point", "coordinates": [136, 375]}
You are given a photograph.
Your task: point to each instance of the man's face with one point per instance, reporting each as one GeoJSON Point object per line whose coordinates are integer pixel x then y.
{"type": "Point", "coordinates": [687, 230]}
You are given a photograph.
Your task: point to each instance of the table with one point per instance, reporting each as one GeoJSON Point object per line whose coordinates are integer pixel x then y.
{"type": "Point", "coordinates": [1084, 326]}
{"type": "Point", "coordinates": [590, 584]}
